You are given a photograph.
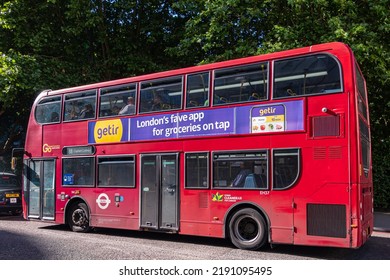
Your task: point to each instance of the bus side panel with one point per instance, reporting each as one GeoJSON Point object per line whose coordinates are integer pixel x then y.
{"type": "Point", "coordinates": [319, 222]}
{"type": "Point", "coordinates": [195, 212]}
{"type": "Point", "coordinates": [121, 210]}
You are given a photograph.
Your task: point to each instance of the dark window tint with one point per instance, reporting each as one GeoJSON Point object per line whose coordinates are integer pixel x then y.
{"type": "Point", "coordinates": [198, 90]}
{"type": "Point", "coordinates": [78, 171]}
{"type": "Point", "coordinates": [119, 100]}
{"type": "Point", "coordinates": [48, 110]}
{"type": "Point", "coordinates": [316, 74]}
{"type": "Point", "coordinates": [8, 180]}
{"type": "Point", "coordinates": [362, 97]}
{"type": "Point", "coordinates": [116, 171]}
{"type": "Point", "coordinates": [79, 106]}
{"type": "Point", "coordinates": [286, 168]}
{"type": "Point", "coordinates": [246, 170]}
{"type": "Point", "coordinates": [365, 146]}
{"type": "Point", "coordinates": [197, 170]}
{"type": "Point", "coordinates": [161, 95]}
{"type": "Point", "coordinates": [360, 84]}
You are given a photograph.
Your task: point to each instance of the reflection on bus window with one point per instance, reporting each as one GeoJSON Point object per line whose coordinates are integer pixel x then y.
{"type": "Point", "coordinates": [362, 97]}
{"type": "Point", "coordinates": [118, 100]}
{"type": "Point", "coordinates": [316, 74]}
{"type": "Point", "coordinates": [116, 171]}
{"type": "Point", "coordinates": [80, 105]}
{"type": "Point", "coordinates": [286, 168]}
{"type": "Point", "coordinates": [241, 84]}
{"type": "Point", "coordinates": [48, 110]}
{"type": "Point", "coordinates": [197, 90]}
{"type": "Point", "coordinates": [161, 95]}
{"type": "Point", "coordinates": [246, 170]}
{"type": "Point", "coordinates": [78, 171]}
{"type": "Point", "coordinates": [365, 146]}
{"type": "Point", "coordinates": [197, 170]}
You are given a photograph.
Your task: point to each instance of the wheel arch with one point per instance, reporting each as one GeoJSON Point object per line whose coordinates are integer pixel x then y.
{"type": "Point", "coordinates": [241, 205]}
{"type": "Point", "coordinates": [70, 203]}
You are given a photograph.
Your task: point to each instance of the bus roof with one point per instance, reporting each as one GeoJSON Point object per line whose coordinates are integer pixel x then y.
{"type": "Point", "coordinates": [204, 67]}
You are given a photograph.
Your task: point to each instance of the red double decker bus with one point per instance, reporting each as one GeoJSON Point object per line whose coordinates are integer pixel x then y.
{"type": "Point", "coordinates": [266, 149]}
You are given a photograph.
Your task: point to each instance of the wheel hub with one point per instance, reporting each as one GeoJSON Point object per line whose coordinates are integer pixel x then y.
{"type": "Point", "coordinates": [79, 217]}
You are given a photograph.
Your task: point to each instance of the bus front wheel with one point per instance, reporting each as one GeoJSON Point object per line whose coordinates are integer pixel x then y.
{"type": "Point", "coordinates": [78, 218]}
{"type": "Point", "coordinates": [247, 229]}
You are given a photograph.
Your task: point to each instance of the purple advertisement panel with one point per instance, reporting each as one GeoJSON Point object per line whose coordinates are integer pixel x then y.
{"type": "Point", "coordinates": [270, 118]}
{"type": "Point", "coordinates": [188, 124]}
{"type": "Point", "coordinates": [291, 111]}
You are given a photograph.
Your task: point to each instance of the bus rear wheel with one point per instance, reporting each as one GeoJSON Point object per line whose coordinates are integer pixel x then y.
{"type": "Point", "coordinates": [247, 229]}
{"type": "Point", "coordinates": [78, 218]}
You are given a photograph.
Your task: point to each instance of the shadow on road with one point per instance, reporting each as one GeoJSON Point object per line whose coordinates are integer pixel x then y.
{"type": "Point", "coordinates": [7, 216]}
{"type": "Point", "coordinates": [24, 250]}
{"type": "Point", "coordinates": [376, 247]}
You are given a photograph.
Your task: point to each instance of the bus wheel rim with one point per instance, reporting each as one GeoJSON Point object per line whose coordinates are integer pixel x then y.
{"type": "Point", "coordinates": [247, 229]}
{"type": "Point", "coordinates": [78, 217]}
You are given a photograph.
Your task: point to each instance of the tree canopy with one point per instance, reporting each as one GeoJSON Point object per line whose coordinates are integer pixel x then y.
{"type": "Point", "coordinates": [55, 44]}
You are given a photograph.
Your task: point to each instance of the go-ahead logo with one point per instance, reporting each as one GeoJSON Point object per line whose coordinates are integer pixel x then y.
{"type": "Point", "coordinates": [46, 148]}
{"type": "Point", "coordinates": [108, 131]}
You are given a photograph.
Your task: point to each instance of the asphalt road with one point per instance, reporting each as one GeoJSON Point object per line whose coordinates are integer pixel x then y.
{"type": "Point", "coordinates": [27, 240]}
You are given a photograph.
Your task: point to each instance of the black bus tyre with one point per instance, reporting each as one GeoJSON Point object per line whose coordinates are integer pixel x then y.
{"type": "Point", "coordinates": [78, 218]}
{"type": "Point", "coordinates": [247, 229]}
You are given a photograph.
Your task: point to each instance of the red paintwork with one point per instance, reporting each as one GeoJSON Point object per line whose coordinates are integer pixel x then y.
{"type": "Point", "coordinates": [322, 181]}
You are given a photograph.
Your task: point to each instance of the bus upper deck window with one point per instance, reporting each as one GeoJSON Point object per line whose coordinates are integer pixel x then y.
{"type": "Point", "coordinates": [48, 110]}
{"type": "Point", "coordinates": [197, 90]}
{"type": "Point", "coordinates": [241, 84]}
{"type": "Point", "coordinates": [161, 95]}
{"type": "Point", "coordinates": [315, 74]}
{"type": "Point", "coordinates": [119, 100]}
{"type": "Point", "coordinates": [80, 105]}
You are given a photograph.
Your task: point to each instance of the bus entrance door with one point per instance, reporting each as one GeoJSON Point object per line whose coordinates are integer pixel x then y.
{"type": "Point", "coordinates": [39, 189]}
{"type": "Point", "coordinates": [159, 192]}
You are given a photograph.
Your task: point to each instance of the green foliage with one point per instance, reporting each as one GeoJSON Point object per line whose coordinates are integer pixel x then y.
{"type": "Point", "coordinates": [50, 44]}
{"type": "Point", "coordinates": [220, 30]}
{"type": "Point", "coordinates": [17, 73]}
{"type": "Point", "coordinates": [381, 162]}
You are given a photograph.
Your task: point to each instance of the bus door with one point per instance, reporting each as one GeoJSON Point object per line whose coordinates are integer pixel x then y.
{"type": "Point", "coordinates": [39, 189]}
{"type": "Point", "coordinates": [159, 191]}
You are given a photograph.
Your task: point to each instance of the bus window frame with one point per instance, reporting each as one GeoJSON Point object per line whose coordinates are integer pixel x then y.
{"type": "Point", "coordinates": [293, 183]}
{"type": "Point", "coordinates": [73, 97]}
{"type": "Point", "coordinates": [362, 98]}
{"type": "Point", "coordinates": [206, 103]}
{"type": "Point", "coordinates": [98, 185]}
{"type": "Point", "coordinates": [228, 187]}
{"type": "Point", "coordinates": [157, 87]}
{"type": "Point", "coordinates": [40, 104]}
{"type": "Point", "coordinates": [207, 170]}
{"type": "Point", "coordinates": [267, 81]}
{"type": "Point", "coordinates": [93, 175]}
{"type": "Point", "coordinates": [116, 90]}
{"type": "Point", "coordinates": [293, 94]}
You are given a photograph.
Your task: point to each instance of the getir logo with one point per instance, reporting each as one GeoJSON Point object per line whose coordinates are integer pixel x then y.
{"type": "Point", "coordinates": [106, 131]}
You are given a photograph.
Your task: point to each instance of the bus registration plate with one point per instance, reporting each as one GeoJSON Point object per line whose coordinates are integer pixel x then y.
{"type": "Point", "coordinates": [8, 195]}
